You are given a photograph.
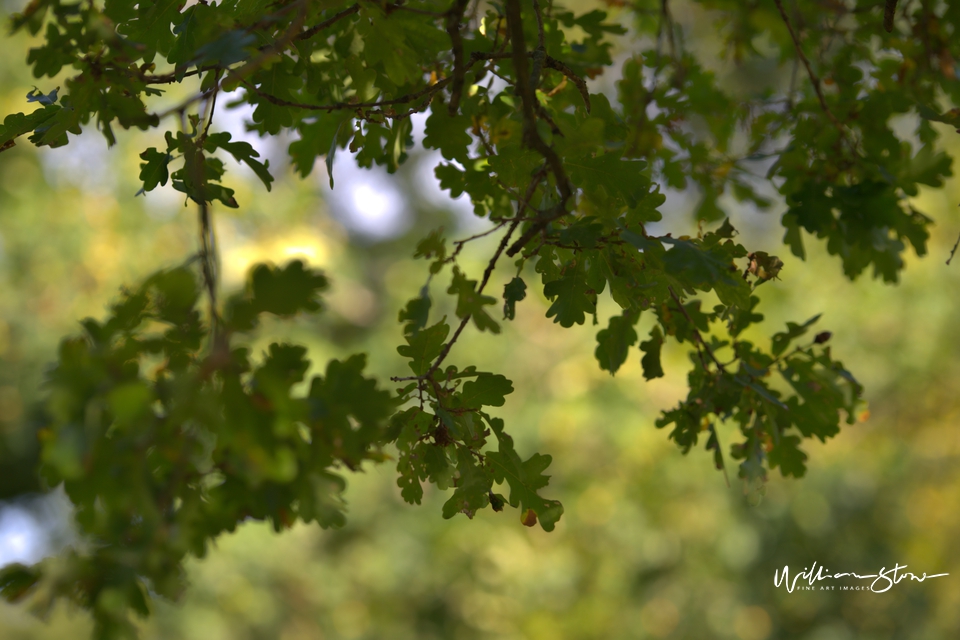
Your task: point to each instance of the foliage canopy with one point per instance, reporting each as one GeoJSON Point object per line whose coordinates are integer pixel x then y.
{"type": "Point", "coordinates": [166, 432]}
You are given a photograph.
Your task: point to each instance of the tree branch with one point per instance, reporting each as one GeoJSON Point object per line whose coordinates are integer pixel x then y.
{"type": "Point", "coordinates": [530, 135]}
{"type": "Point", "coordinates": [889, 12]}
{"type": "Point", "coordinates": [454, 18]}
{"type": "Point", "coordinates": [534, 183]}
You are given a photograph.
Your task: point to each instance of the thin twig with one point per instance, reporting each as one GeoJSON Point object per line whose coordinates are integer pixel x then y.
{"type": "Point", "coordinates": [211, 108]}
{"type": "Point", "coordinates": [410, 97]}
{"type": "Point", "coordinates": [521, 207]}
{"type": "Point", "coordinates": [666, 17]}
{"type": "Point", "coordinates": [182, 107]}
{"type": "Point", "coordinates": [541, 38]}
{"type": "Point", "coordinates": [814, 79]}
{"type": "Point", "coordinates": [696, 333]}
{"type": "Point", "coordinates": [490, 267]}
{"type": "Point", "coordinates": [312, 31]}
{"type": "Point", "coordinates": [954, 250]}
{"type": "Point", "coordinates": [460, 243]}
{"type": "Point", "coordinates": [208, 260]}
{"type": "Point", "coordinates": [552, 63]}
{"type": "Point", "coordinates": [170, 78]}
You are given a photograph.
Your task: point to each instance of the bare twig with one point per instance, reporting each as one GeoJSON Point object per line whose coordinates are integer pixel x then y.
{"type": "Point", "coordinates": [954, 250]}
{"type": "Point", "coordinates": [461, 243]}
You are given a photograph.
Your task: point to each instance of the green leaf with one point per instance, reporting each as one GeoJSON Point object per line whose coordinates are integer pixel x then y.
{"type": "Point", "coordinates": [16, 580]}
{"type": "Point", "coordinates": [473, 487]}
{"type": "Point", "coordinates": [178, 292]}
{"type": "Point", "coordinates": [385, 45]}
{"type": "Point", "coordinates": [525, 478]}
{"type": "Point", "coordinates": [927, 167]}
{"type": "Point", "coordinates": [706, 269]}
{"type": "Point", "coordinates": [154, 169]}
{"type": "Point", "coordinates": [651, 354]}
{"type": "Point", "coordinates": [765, 393]}
{"type": "Point", "coordinates": [424, 346]}
{"type": "Point", "coordinates": [782, 340]}
{"type": "Point", "coordinates": [433, 246]}
{"type": "Point", "coordinates": [416, 313]}
{"type": "Point", "coordinates": [928, 112]}
{"type": "Point", "coordinates": [572, 299]}
{"type": "Point", "coordinates": [448, 134]}
{"type": "Point", "coordinates": [470, 303]}
{"type": "Point", "coordinates": [17, 124]}
{"type": "Point", "coordinates": [514, 165]}
{"type": "Point", "coordinates": [317, 138]}
{"type": "Point", "coordinates": [487, 389]}
{"type": "Point", "coordinates": [621, 179]}
{"type": "Point", "coordinates": [152, 28]}
{"type": "Point", "coordinates": [287, 290]}
{"type": "Point", "coordinates": [242, 152]}
{"type": "Point", "coordinates": [332, 153]}
{"type": "Point", "coordinates": [513, 292]}
{"type": "Point", "coordinates": [615, 341]}
{"type": "Point", "coordinates": [129, 401]}
{"type": "Point", "coordinates": [230, 48]}
{"type": "Point", "coordinates": [787, 455]}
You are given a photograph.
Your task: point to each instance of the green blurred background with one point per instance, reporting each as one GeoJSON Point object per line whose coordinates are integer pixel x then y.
{"type": "Point", "coordinates": [652, 545]}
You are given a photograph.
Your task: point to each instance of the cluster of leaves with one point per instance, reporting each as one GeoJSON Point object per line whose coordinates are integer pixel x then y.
{"type": "Point", "coordinates": [571, 181]}
{"type": "Point", "coordinates": [162, 442]}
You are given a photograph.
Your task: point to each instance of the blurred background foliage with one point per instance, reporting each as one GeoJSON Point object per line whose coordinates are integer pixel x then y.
{"type": "Point", "coordinates": [653, 544]}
